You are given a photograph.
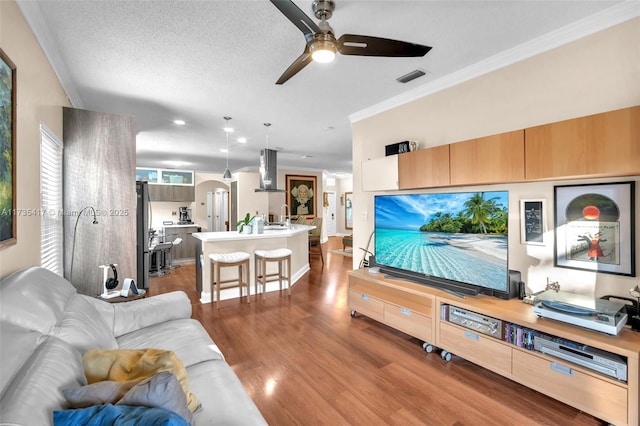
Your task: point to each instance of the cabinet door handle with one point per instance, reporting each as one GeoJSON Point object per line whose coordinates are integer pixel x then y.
{"type": "Point", "coordinates": [472, 336]}
{"type": "Point", "coordinates": [562, 369]}
{"type": "Point", "coordinates": [364, 296]}
{"type": "Point", "coordinates": [405, 311]}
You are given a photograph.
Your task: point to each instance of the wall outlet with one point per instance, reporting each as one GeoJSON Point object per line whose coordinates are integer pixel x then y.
{"type": "Point", "coordinates": [365, 216]}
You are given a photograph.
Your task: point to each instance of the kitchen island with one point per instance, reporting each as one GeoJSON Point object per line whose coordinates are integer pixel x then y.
{"type": "Point", "coordinates": [295, 238]}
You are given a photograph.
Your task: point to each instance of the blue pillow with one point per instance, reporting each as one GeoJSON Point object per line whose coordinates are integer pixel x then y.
{"type": "Point", "coordinates": [117, 415]}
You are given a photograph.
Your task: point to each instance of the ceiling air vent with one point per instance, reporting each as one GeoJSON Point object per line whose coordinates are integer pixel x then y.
{"type": "Point", "coordinates": [411, 76]}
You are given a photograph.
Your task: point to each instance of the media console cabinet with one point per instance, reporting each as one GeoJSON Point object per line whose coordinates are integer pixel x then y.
{"type": "Point", "coordinates": [416, 310]}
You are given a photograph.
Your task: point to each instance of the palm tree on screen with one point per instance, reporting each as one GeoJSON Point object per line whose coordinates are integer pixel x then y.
{"type": "Point", "coordinates": [479, 210]}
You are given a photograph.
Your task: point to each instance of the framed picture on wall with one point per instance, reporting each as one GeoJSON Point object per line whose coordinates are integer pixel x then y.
{"type": "Point", "coordinates": [301, 193]}
{"type": "Point", "coordinates": [594, 227]}
{"type": "Point", "coordinates": [533, 222]}
{"type": "Point", "coordinates": [348, 210]}
{"type": "Point", "coordinates": [8, 155]}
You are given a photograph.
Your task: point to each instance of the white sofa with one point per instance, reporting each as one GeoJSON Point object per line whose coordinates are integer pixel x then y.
{"type": "Point", "coordinates": [46, 327]}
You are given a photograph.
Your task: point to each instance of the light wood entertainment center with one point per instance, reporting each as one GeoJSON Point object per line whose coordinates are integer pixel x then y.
{"type": "Point", "coordinates": [415, 310]}
{"type": "Point", "coordinates": [608, 145]}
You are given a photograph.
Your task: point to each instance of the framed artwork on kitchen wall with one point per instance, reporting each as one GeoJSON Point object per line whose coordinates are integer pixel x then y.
{"type": "Point", "coordinates": [594, 227]}
{"type": "Point", "coordinates": [301, 192]}
{"type": "Point", "coordinates": [8, 154]}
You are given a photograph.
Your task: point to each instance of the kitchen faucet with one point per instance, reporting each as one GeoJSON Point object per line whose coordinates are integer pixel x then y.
{"type": "Point", "coordinates": [285, 218]}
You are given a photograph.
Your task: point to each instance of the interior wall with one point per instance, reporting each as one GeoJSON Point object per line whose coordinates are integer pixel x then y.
{"type": "Point", "coordinates": [343, 185]}
{"type": "Point", "coordinates": [40, 99]}
{"type": "Point", "coordinates": [165, 210]}
{"type": "Point", "coordinates": [595, 74]}
{"type": "Point", "coordinates": [99, 172]}
{"type": "Point", "coordinates": [249, 201]}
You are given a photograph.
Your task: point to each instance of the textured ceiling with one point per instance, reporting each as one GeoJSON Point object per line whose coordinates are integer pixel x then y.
{"type": "Point", "coordinates": [202, 60]}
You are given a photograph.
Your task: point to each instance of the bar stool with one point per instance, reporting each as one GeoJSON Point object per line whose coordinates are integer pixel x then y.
{"type": "Point", "coordinates": [221, 260]}
{"type": "Point", "coordinates": [261, 257]}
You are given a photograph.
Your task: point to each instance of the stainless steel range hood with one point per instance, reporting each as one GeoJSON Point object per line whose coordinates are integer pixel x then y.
{"type": "Point", "coordinates": [268, 171]}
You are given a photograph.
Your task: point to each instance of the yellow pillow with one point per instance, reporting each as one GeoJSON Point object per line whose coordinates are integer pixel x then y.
{"type": "Point", "coordinates": [135, 365]}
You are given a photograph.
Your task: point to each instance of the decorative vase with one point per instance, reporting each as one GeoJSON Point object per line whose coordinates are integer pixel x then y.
{"type": "Point", "coordinates": [246, 229]}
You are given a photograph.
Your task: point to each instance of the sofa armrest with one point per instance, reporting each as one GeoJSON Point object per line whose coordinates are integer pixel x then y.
{"type": "Point", "coordinates": [141, 313]}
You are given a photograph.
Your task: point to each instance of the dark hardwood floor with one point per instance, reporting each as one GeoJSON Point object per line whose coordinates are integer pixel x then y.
{"type": "Point", "coordinates": [305, 361]}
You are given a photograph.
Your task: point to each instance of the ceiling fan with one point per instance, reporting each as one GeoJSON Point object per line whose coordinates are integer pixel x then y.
{"type": "Point", "coordinates": [322, 44]}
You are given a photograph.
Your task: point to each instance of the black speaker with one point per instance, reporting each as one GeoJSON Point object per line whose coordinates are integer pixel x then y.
{"type": "Point", "coordinates": [513, 288]}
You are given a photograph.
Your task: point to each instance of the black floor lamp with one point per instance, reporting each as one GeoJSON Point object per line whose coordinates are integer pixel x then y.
{"type": "Point", "coordinates": [73, 247]}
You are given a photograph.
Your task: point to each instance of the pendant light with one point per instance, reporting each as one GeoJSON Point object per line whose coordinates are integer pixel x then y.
{"type": "Point", "coordinates": [266, 179]}
{"type": "Point", "coordinates": [226, 177]}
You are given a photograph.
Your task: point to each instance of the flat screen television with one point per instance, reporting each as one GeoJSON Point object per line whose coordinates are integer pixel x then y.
{"type": "Point", "coordinates": [454, 241]}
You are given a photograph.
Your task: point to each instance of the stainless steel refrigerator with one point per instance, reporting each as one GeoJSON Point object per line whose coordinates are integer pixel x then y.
{"type": "Point", "coordinates": [142, 234]}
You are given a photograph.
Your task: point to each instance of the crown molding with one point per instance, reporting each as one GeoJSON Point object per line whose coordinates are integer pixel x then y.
{"type": "Point", "coordinates": [607, 18]}
{"type": "Point", "coordinates": [33, 15]}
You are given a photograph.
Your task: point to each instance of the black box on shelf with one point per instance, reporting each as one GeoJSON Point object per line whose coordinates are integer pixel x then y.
{"type": "Point", "coordinates": [397, 148]}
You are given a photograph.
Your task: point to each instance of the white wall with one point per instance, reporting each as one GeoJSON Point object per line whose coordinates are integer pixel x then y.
{"type": "Point", "coordinates": [249, 201]}
{"type": "Point", "coordinates": [343, 184]}
{"type": "Point", "coordinates": [595, 74]}
{"type": "Point", "coordinates": [40, 99]}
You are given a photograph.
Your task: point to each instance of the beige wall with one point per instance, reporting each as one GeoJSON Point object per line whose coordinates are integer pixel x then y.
{"type": "Point", "coordinates": [343, 184]}
{"type": "Point", "coordinates": [595, 74]}
{"type": "Point", "coordinates": [40, 99]}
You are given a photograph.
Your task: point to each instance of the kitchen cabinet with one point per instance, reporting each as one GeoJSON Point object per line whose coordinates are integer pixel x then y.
{"type": "Point", "coordinates": [380, 174]}
{"type": "Point", "coordinates": [425, 168]}
{"type": "Point", "coordinates": [186, 250]}
{"type": "Point", "coordinates": [606, 144]}
{"type": "Point", "coordinates": [172, 193]}
{"type": "Point", "coordinates": [491, 159]}
{"type": "Point", "coordinates": [165, 176]}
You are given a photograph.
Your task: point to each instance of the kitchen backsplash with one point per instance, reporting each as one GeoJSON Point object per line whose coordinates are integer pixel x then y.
{"type": "Point", "coordinates": [166, 210]}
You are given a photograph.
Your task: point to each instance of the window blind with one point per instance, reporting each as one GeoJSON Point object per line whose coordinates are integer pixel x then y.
{"type": "Point", "coordinates": [51, 210]}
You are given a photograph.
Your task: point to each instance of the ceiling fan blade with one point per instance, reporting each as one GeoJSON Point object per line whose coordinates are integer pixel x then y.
{"type": "Point", "coordinates": [298, 17]}
{"type": "Point", "coordinates": [351, 44]}
{"type": "Point", "coordinates": [297, 65]}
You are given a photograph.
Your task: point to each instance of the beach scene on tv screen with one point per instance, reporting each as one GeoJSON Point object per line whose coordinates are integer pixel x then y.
{"type": "Point", "coordinates": [457, 236]}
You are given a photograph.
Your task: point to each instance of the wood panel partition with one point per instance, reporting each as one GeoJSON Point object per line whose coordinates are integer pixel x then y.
{"type": "Point", "coordinates": [99, 172]}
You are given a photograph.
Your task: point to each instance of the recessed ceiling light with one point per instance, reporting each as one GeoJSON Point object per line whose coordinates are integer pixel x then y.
{"type": "Point", "coordinates": [224, 150]}
{"type": "Point", "coordinates": [179, 122]}
{"type": "Point", "coordinates": [174, 163]}
{"type": "Point", "coordinates": [242, 140]}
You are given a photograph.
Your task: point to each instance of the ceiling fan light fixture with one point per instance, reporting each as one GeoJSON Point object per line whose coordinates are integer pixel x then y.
{"type": "Point", "coordinates": [323, 50]}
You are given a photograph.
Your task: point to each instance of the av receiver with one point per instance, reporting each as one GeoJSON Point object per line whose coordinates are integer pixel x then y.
{"type": "Point", "coordinates": [595, 359]}
{"type": "Point", "coordinates": [475, 321]}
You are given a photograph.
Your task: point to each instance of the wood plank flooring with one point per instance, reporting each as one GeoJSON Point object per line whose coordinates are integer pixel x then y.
{"type": "Point", "coordinates": [305, 361]}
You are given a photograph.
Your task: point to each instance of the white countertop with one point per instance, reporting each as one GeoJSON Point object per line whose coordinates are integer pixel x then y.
{"type": "Point", "coordinates": [180, 226]}
{"type": "Point", "coordinates": [268, 233]}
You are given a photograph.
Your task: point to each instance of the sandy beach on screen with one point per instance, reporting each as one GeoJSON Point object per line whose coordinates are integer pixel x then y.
{"type": "Point", "coordinates": [486, 247]}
